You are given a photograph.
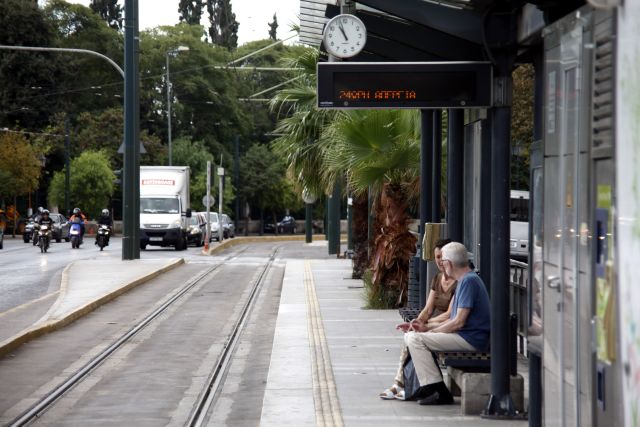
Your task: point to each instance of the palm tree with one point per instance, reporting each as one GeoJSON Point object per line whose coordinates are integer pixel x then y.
{"type": "Point", "coordinates": [379, 150]}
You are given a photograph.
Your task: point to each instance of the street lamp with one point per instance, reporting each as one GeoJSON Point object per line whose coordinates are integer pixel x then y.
{"type": "Point", "coordinates": [309, 199]}
{"type": "Point", "coordinates": [169, 53]}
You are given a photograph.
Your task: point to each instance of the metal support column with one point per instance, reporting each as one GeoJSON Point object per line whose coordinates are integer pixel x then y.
{"type": "Point", "coordinates": [455, 174]}
{"type": "Point", "coordinates": [131, 169]}
{"type": "Point", "coordinates": [350, 224]}
{"type": "Point", "coordinates": [535, 363]}
{"type": "Point", "coordinates": [334, 220]}
{"type": "Point", "coordinates": [236, 176]}
{"type": "Point", "coordinates": [426, 185]}
{"type": "Point", "coordinates": [500, 403]}
{"type": "Point", "coordinates": [436, 168]}
{"type": "Point", "coordinates": [67, 167]}
{"type": "Point", "coordinates": [308, 223]}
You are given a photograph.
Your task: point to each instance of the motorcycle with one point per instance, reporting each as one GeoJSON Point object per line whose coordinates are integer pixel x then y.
{"type": "Point", "coordinates": [103, 236]}
{"type": "Point", "coordinates": [76, 233]}
{"type": "Point", "coordinates": [44, 237]}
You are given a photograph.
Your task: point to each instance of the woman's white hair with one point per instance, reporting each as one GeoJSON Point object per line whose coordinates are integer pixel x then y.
{"type": "Point", "coordinates": [456, 253]}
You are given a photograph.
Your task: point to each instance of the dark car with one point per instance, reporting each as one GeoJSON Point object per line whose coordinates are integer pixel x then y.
{"type": "Point", "coordinates": [60, 227]}
{"type": "Point", "coordinates": [287, 225]}
{"type": "Point", "coordinates": [197, 229]}
{"type": "Point", "coordinates": [229, 229]}
{"type": "Point", "coordinates": [269, 225]}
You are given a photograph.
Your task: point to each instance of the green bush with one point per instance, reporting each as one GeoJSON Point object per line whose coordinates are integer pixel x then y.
{"type": "Point", "coordinates": [377, 297]}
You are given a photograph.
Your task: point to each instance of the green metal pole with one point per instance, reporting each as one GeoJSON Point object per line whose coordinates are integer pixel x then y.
{"type": "Point", "coordinates": [67, 167]}
{"type": "Point", "coordinates": [334, 221]}
{"type": "Point", "coordinates": [369, 221]}
{"type": "Point", "coordinates": [308, 224]}
{"type": "Point", "coordinates": [131, 169]}
{"type": "Point", "coordinates": [349, 223]}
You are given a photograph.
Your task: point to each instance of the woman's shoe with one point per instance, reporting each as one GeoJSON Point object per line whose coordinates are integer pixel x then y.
{"type": "Point", "coordinates": [391, 393]}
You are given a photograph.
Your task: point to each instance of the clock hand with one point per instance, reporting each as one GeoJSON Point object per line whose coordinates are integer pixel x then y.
{"type": "Point", "coordinates": [342, 30]}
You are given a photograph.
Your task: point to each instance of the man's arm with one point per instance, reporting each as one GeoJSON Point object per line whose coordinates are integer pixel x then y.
{"type": "Point", "coordinates": [455, 324]}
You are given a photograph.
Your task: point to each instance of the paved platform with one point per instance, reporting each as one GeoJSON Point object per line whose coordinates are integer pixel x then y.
{"type": "Point", "coordinates": [85, 285]}
{"type": "Point", "coordinates": [331, 357]}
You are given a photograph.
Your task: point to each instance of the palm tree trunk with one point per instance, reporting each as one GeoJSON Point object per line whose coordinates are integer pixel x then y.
{"type": "Point", "coordinates": [360, 235]}
{"type": "Point", "coordinates": [394, 244]}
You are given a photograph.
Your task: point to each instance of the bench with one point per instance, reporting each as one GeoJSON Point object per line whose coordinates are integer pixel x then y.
{"type": "Point", "coordinates": [468, 372]}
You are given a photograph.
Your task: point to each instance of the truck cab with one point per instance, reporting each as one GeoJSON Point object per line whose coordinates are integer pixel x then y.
{"type": "Point", "coordinates": [164, 206]}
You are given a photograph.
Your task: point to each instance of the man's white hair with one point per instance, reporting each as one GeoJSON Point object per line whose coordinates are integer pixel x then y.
{"type": "Point", "coordinates": [456, 253]}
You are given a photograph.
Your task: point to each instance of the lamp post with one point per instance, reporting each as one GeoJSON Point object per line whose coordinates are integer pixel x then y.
{"type": "Point", "coordinates": [169, 53]}
{"type": "Point", "coordinates": [309, 199]}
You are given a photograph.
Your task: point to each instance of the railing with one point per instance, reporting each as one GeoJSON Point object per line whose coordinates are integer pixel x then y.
{"type": "Point", "coordinates": [518, 300]}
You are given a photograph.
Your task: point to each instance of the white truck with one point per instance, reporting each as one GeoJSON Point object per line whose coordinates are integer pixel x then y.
{"type": "Point", "coordinates": [164, 206]}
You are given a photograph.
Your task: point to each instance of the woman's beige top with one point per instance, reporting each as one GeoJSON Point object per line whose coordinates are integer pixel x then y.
{"type": "Point", "coordinates": [442, 298]}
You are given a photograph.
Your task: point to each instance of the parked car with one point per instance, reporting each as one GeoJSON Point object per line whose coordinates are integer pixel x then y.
{"type": "Point", "coordinates": [197, 229]}
{"type": "Point", "coordinates": [229, 229]}
{"type": "Point", "coordinates": [519, 225]}
{"type": "Point", "coordinates": [60, 227]}
{"type": "Point", "coordinates": [213, 219]}
{"type": "Point", "coordinates": [269, 224]}
{"type": "Point", "coordinates": [287, 225]}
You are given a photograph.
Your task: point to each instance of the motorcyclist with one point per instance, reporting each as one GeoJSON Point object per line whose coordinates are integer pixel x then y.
{"type": "Point", "coordinates": [45, 219]}
{"type": "Point", "coordinates": [105, 219]}
{"type": "Point", "coordinates": [77, 213]}
{"type": "Point", "coordinates": [36, 219]}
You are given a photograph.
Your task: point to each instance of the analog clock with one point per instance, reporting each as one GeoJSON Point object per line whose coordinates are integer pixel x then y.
{"type": "Point", "coordinates": [344, 36]}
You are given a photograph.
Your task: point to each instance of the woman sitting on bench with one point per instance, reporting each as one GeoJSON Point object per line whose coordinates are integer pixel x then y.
{"type": "Point", "coordinates": [435, 312]}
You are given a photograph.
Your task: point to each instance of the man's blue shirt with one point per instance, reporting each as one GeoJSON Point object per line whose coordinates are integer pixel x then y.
{"type": "Point", "coordinates": [471, 293]}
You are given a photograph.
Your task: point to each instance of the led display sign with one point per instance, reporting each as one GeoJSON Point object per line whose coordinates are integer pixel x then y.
{"type": "Point", "coordinates": [370, 85]}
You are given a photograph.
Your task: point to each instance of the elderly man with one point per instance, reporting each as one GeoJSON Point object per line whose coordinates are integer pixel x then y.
{"type": "Point", "coordinates": [467, 328]}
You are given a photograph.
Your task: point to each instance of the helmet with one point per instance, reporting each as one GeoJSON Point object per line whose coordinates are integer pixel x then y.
{"type": "Point", "coordinates": [45, 212]}
{"type": "Point", "coordinates": [76, 211]}
{"type": "Point", "coordinates": [105, 212]}
{"type": "Point", "coordinates": [40, 209]}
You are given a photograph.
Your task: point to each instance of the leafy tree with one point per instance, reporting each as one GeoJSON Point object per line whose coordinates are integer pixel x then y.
{"type": "Point", "coordinates": [19, 167]}
{"type": "Point", "coordinates": [273, 28]}
{"type": "Point", "coordinates": [19, 164]}
{"type": "Point", "coordinates": [87, 83]}
{"type": "Point", "coordinates": [91, 183]}
{"type": "Point", "coordinates": [224, 27]}
{"type": "Point", "coordinates": [110, 11]}
{"type": "Point", "coordinates": [24, 75]}
{"type": "Point", "coordinates": [263, 181]}
{"type": "Point", "coordinates": [190, 11]}
{"type": "Point", "coordinates": [522, 125]}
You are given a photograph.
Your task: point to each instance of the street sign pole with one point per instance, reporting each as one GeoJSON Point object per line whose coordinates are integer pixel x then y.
{"type": "Point", "coordinates": [208, 238]}
{"type": "Point", "coordinates": [220, 190]}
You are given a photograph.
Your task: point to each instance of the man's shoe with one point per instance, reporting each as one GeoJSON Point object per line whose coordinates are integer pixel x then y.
{"type": "Point", "coordinates": [440, 396]}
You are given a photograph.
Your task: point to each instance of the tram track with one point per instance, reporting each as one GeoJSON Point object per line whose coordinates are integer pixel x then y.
{"type": "Point", "coordinates": [217, 375]}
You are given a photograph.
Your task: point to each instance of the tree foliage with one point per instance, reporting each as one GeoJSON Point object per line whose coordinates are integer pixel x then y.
{"type": "Point", "coordinates": [20, 165]}
{"type": "Point", "coordinates": [91, 183]}
{"type": "Point", "coordinates": [522, 125]}
{"type": "Point", "coordinates": [223, 29]}
{"type": "Point", "coordinates": [24, 75]}
{"type": "Point", "coordinates": [190, 11]}
{"type": "Point", "coordinates": [273, 28]}
{"type": "Point", "coordinates": [110, 11]}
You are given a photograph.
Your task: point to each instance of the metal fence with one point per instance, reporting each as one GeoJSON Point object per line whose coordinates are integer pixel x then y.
{"type": "Point", "coordinates": [518, 300]}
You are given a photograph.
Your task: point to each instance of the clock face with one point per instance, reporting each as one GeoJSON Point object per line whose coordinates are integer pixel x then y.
{"type": "Point", "coordinates": [344, 36]}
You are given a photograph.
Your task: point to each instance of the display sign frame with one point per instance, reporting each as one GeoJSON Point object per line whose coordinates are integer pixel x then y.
{"type": "Point", "coordinates": [401, 85]}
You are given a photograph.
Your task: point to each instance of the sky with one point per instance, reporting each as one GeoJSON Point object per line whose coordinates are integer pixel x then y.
{"type": "Point", "coordinates": [253, 16]}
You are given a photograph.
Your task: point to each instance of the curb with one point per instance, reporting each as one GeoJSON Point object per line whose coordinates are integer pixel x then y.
{"type": "Point", "coordinates": [257, 239]}
{"type": "Point", "coordinates": [27, 335]}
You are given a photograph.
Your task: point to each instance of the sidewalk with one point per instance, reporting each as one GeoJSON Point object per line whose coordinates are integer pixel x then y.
{"type": "Point", "coordinates": [330, 372]}
{"type": "Point", "coordinates": [85, 285]}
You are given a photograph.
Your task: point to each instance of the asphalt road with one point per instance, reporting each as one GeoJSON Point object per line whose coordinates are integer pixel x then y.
{"type": "Point", "coordinates": [26, 274]}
